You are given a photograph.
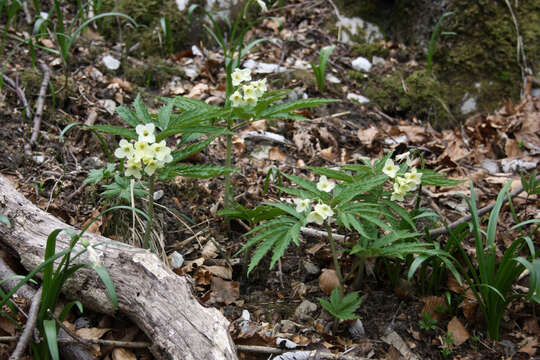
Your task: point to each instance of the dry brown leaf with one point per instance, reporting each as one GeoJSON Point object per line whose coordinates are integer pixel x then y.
{"type": "Point", "coordinates": [202, 277]}
{"type": "Point", "coordinates": [223, 291]}
{"type": "Point", "coordinates": [415, 134]}
{"type": "Point", "coordinates": [459, 332]}
{"type": "Point", "coordinates": [328, 280]}
{"type": "Point", "coordinates": [239, 145]}
{"type": "Point", "coordinates": [368, 136]}
{"type": "Point", "coordinates": [435, 306]}
{"type": "Point", "coordinates": [328, 154]}
{"type": "Point", "coordinates": [276, 154]}
{"type": "Point", "coordinates": [529, 345]}
{"type": "Point", "coordinates": [209, 251]}
{"type": "Point", "coordinates": [224, 272]}
{"type": "Point", "coordinates": [47, 43]}
{"type": "Point", "coordinates": [531, 326]}
{"type": "Point", "coordinates": [92, 333]}
{"type": "Point", "coordinates": [123, 354]}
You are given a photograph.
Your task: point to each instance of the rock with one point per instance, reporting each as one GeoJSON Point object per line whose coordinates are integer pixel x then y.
{"type": "Point", "coordinates": [177, 260]}
{"type": "Point", "coordinates": [468, 105]}
{"type": "Point", "coordinates": [491, 167]}
{"type": "Point", "coordinates": [158, 195]}
{"type": "Point", "coordinates": [361, 64]}
{"type": "Point", "coordinates": [358, 98]}
{"type": "Point", "coordinates": [332, 79]}
{"type": "Point", "coordinates": [263, 68]}
{"type": "Point", "coordinates": [535, 92]}
{"type": "Point", "coordinates": [357, 330]}
{"type": "Point", "coordinates": [517, 165]}
{"type": "Point", "coordinates": [285, 343]}
{"type": "Point", "coordinates": [311, 268]}
{"type": "Point", "coordinates": [356, 26]}
{"type": "Point", "coordinates": [304, 310]}
{"type": "Point", "coordinates": [378, 60]}
{"type": "Point", "coordinates": [245, 315]}
{"type": "Point", "coordinates": [109, 105]}
{"type": "Point", "coordinates": [110, 62]}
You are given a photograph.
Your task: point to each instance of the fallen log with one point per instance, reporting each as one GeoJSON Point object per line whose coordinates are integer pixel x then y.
{"type": "Point", "coordinates": [157, 300]}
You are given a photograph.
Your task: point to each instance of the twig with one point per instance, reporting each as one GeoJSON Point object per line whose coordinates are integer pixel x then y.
{"type": "Point", "coordinates": [311, 354]}
{"type": "Point", "coordinates": [76, 192]}
{"type": "Point", "coordinates": [39, 106]}
{"type": "Point", "coordinates": [24, 339]}
{"type": "Point", "coordinates": [464, 219]}
{"type": "Point", "coordinates": [87, 342]}
{"type": "Point", "coordinates": [321, 234]}
{"type": "Point", "coordinates": [20, 94]}
{"type": "Point", "coordinates": [124, 344]}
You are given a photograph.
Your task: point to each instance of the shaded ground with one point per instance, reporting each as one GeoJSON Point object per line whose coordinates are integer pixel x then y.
{"type": "Point", "coordinates": [481, 150]}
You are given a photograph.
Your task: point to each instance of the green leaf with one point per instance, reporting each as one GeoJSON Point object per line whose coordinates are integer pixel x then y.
{"type": "Point", "coordinates": [302, 194]}
{"type": "Point", "coordinates": [140, 110]}
{"type": "Point", "coordinates": [104, 275]}
{"type": "Point", "coordinates": [342, 307]}
{"type": "Point", "coordinates": [308, 185]}
{"type": "Point", "coordinates": [95, 176]}
{"type": "Point", "coordinates": [283, 243]}
{"type": "Point", "coordinates": [194, 171]}
{"type": "Point", "coordinates": [4, 220]}
{"type": "Point", "coordinates": [350, 191]}
{"type": "Point", "coordinates": [433, 178]}
{"type": "Point", "coordinates": [294, 105]}
{"type": "Point", "coordinates": [284, 207]}
{"type": "Point", "coordinates": [334, 174]}
{"type": "Point", "coordinates": [115, 130]}
{"type": "Point", "coordinates": [181, 154]}
{"type": "Point", "coordinates": [164, 115]}
{"type": "Point", "coordinates": [49, 326]}
{"type": "Point", "coordinates": [121, 188]}
{"type": "Point", "coordinates": [128, 116]}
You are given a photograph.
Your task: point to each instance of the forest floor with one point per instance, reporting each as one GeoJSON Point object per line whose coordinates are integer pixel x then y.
{"type": "Point", "coordinates": [487, 149]}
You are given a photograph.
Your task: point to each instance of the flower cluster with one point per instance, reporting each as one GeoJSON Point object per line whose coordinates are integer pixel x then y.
{"type": "Point", "coordinates": [248, 94]}
{"type": "Point", "coordinates": [322, 211]}
{"type": "Point", "coordinates": [402, 182]}
{"type": "Point", "coordinates": [144, 152]}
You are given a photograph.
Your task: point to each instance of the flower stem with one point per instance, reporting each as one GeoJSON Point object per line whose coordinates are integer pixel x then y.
{"type": "Point", "coordinates": [149, 224]}
{"type": "Point", "coordinates": [228, 186]}
{"type": "Point", "coordinates": [334, 256]}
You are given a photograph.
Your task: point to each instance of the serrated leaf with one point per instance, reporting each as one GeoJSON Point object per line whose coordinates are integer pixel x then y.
{"type": "Point", "coordinates": [284, 207]}
{"type": "Point", "coordinates": [94, 176]}
{"type": "Point", "coordinates": [303, 194]}
{"type": "Point", "coordinates": [342, 307]}
{"type": "Point", "coordinates": [308, 185]}
{"type": "Point", "coordinates": [141, 111]}
{"type": "Point", "coordinates": [128, 116]}
{"type": "Point", "coordinates": [283, 243]}
{"type": "Point", "coordinates": [350, 191]}
{"type": "Point", "coordinates": [194, 171]}
{"type": "Point", "coordinates": [334, 174]}
{"type": "Point", "coordinates": [164, 115]}
{"type": "Point", "coordinates": [181, 154]}
{"type": "Point", "coordinates": [115, 130]}
{"type": "Point", "coordinates": [189, 104]}
{"type": "Point", "coordinates": [265, 246]}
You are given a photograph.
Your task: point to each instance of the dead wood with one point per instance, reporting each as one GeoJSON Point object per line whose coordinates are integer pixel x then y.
{"type": "Point", "coordinates": [157, 300]}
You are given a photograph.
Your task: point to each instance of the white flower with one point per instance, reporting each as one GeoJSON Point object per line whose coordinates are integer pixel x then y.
{"type": "Point", "coordinates": [413, 177]}
{"type": "Point", "coordinates": [260, 87]}
{"type": "Point", "coordinates": [94, 256]}
{"type": "Point", "coordinates": [325, 185]}
{"type": "Point", "coordinates": [401, 157]}
{"type": "Point", "coordinates": [397, 196]}
{"type": "Point", "coordinates": [125, 150]}
{"type": "Point", "coordinates": [134, 167]}
{"type": "Point", "coordinates": [161, 151]}
{"type": "Point", "coordinates": [237, 99]}
{"type": "Point", "coordinates": [249, 91]}
{"type": "Point", "coordinates": [324, 210]}
{"type": "Point", "coordinates": [390, 169]}
{"type": "Point", "coordinates": [400, 190]}
{"type": "Point", "coordinates": [240, 75]}
{"type": "Point", "coordinates": [302, 204]}
{"type": "Point", "coordinates": [315, 217]}
{"type": "Point", "coordinates": [146, 132]}
{"type": "Point", "coordinates": [152, 166]}
{"type": "Point", "coordinates": [250, 100]}
{"type": "Point", "coordinates": [262, 5]}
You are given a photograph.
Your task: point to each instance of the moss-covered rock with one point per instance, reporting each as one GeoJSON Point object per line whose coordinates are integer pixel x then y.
{"type": "Point", "coordinates": [154, 75]}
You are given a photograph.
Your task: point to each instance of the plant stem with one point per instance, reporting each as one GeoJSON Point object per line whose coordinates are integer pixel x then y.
{"type": "Point", "coordinates": [148, 229]}
{"type": "Point", "coordinates": [228, 186]}
{"type": "Point", "coordinates": [334, 256]}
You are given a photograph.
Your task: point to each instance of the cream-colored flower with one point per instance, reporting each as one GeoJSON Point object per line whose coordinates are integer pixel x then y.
{"type": "Point", "coordinates": [398, 196]}
{"type": "Point", "coordinates": [390, 169]}
{"type": "Point", "coordinates": [315, 217]}
{"type": "Point", "coordinates": [302, 204]}
{"type": "Point", "coordinates": [237, 99]}
{"type": "Point", "coordinates": [134, 167]}
{"type": "Point", "coordinates": [404, 156]}
{"type": "Point", "coordinates": [250, 100]}
{"type": "Point", "coordinates": [246, 74]}
{"type": "Point", "coordinates": [260, 87]}
{"type": "Point", "coordinates": [143, 151]}
{"type": "Point", "coordinates": [262, 5]}
{"type": "Point", "coordinates": [146, 132]}
{"type": "Point", "coordinates": [325, 185]}
{"type": "Point", "coordinates": [249, 91]}
{"type": "Point", "coordinates": [152, 166]}
{"type": "Point", "coordinates": [413, 176]}
{"type": "Point", "coordinates": [161, 151]}
{"type": "Point", "coordinates": [240, 75]}
{"type": "Point", "coordinates": [125, 149]}
{"type": "Point", "coordinates": [324, 210]}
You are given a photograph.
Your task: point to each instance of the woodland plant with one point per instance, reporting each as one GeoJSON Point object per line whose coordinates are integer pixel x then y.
{"type": "Point", "coordinates": [356, 199]}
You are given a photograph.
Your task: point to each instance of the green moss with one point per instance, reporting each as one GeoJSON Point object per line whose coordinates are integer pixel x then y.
{"type": "Point", "coordinates": [153, 76]}
{"type": "Point", "coordinates": [147, 14]}
{"type": "Point", "coordinates": [31, 80]}
{"type": "Point", "coordinates": [370, 50]}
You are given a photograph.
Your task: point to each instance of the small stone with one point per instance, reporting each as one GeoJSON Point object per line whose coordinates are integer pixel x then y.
{"type": "Point", "coordinates": [245, 315]}
{"type": "Point", "coordinates": [517, 165]}
{"type": "Point", "coordinates": [332, 79]}
{"type": "Point", "coordinates": [109, 105]}
{"type": "Point", "coordinates": [311, 268]}
{"type": "Point", "coordinates": [158, 195]}
{"type": "Point", "coordinates": [285, 343]}
{"type": "Point", "coordinates": [361, 64]}
{"type": "Point", "coordinates": [287, 326]}
{"type": "Point", "coordinates": [39, 159]}
{"type": "Point", "coordinates": [357, 330]}
{"type": "Point", "coordinates": [110, 62]}
{"type": "Point", "coordinates": [469, 105]}
{"type": "Point", "coordinates": [491, 167]}
{"type": "Point", "coordinates": [304, 310]}
{"type": "Point", "coordinates": [378, 61]}
{"type": "Point", "coordinates": [358, 98]}
{"type": "Point", "coordinates": [535, 92]}
{"type": "Point", "coordinates": [177, 260]}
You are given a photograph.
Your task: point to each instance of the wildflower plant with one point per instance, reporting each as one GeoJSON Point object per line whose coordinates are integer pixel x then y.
{"type": "Point", "coordinates": [356, 200]}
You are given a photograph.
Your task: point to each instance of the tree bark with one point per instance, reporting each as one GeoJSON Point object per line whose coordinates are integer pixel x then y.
{"type": "Point", "coordinates": [157, 300]}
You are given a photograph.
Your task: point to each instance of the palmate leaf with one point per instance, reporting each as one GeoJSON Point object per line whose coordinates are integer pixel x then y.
{"type": "Point", "coordinates": [294, 105]}
{"type": "Point", "coordinates": [285, 207]}
{"type": "Point", "coordinates": [334, 174]}
{"type": "Point", "coordinates": [141, 111]}
{"type": "Point", "coordinates": [164, 115]}
{"type": "Point", "coordinates": [308, 185]}
{"type": "Point", "coordinates": [286, 116]}
{"type": "Point", "coordinates": [187, 151]}
{"type": "Point", "coordinates": [348, 192]}
{"type": "Point", "coordinates": [253, 216]}
{"type": "Point", "coordinates": [342, 307]}
{"type": "Point", "coordinates": [128, 116]}
{"type": "Point", "coordinates": [303, 194]}
{"type": "Point", "coordinates": [114, 130]}
{"type": "Point", "coordinates": [189, 104]}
